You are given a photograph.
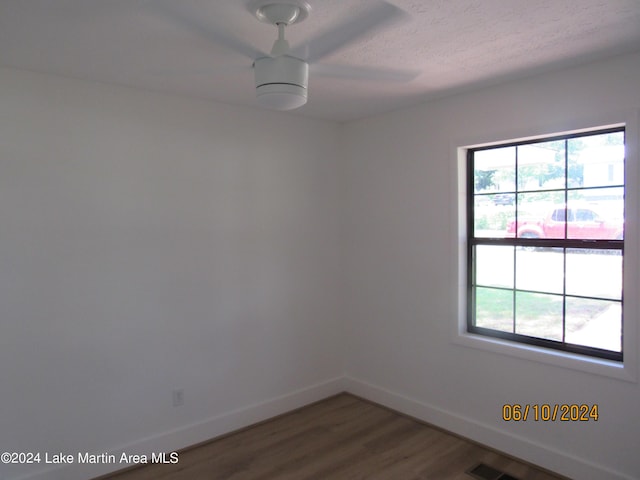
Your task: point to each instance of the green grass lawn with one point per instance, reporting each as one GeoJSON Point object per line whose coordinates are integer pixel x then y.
{"type": "Point", "coordinates": [537, 314]}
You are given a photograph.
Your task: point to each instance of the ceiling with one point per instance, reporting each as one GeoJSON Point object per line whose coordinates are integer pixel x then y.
{"type": "Point", "coordinates": [449, 45]}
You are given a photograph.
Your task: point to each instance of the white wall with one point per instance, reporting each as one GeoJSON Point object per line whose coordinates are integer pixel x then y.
{"type": "Point", "coordinates": [402, 250]}
{"type": "Point", "coordinates": [151, 243]}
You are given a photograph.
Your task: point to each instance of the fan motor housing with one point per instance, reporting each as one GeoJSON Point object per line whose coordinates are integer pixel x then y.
{"type": "Point", "coordinates": [281, 82]}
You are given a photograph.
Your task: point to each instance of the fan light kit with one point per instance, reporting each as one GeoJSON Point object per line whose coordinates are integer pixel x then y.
{"type": "Point", "coordinates": [281, 80]}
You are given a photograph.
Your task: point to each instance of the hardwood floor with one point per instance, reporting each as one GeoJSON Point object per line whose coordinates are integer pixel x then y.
{"type": "Point", "coordinates": [342, 437]}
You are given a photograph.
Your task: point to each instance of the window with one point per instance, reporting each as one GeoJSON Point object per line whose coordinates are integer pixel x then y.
{"type": "Point", "coordinates": [546, 241]}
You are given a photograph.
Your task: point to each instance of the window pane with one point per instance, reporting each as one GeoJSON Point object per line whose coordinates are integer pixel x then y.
{"type": "Point", "coordinates": [541, 166]}
{"type": "Point", "coordinates": [594, 323]}
{"type": "Point", "coordinates": [491, 219]}
{"type": "Point", "coordinates": [495, 170]}
{"type": "Point", "coordinates": [594, 273]}
{"type": "Point", "coordinates": [540, 269]}
{"type": "Point", "coordinates": [537, 215]}
{"type": "Point", "coordinates": [539, 315]}
{"type": "Point", "coordinates": [596, 160]}
{"type": "Point", "coordinates": [494, 266]}
{"type": "Point", "coordinates": [494, 309]}
{"type": "Point", "coordinates": [596, 213]}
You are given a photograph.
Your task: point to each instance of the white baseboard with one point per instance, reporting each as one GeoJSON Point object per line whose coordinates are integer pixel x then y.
{"type": "Point", "coordinates": [519, 447]}
{"type": "Point", "coordinates": [195, 433]}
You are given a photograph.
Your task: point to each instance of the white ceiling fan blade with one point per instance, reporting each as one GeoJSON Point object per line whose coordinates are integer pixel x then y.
{"type": "Point", "coordinates": [374, 18]}
{"type": "Point", "coordinates": [207, 30]}
{"type": "Point", "coordinates": [371, 74]}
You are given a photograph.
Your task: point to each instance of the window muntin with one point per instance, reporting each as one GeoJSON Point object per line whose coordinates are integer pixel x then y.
{"type": "Point", "coordinates": [545, 242]}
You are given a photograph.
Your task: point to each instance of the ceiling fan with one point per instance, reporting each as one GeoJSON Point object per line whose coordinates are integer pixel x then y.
{"type": "Point", "coordinates": [282, 75]}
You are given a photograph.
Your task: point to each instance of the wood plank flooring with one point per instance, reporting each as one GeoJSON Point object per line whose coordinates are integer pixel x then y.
{"type": "Point", "coordinates": [340, 438]}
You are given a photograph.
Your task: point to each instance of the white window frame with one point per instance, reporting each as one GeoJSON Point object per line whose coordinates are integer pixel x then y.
{"type": "Point", "coordinates": [626, 370]}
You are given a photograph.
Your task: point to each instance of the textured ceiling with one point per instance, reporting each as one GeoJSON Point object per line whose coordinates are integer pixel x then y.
{"type": "Point", "coordinates": [450, 45]}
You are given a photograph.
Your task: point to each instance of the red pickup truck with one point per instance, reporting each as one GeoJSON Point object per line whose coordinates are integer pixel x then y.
{"type": "Point", "coordinates": [583, 223]}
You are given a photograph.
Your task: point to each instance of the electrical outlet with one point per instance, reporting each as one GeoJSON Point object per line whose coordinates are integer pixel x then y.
{"type": "Point", "coordinates": [178, 397]}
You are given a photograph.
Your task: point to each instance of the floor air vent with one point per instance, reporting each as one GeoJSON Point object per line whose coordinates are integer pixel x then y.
{"type": "Point", "coordinates": [485, 472]}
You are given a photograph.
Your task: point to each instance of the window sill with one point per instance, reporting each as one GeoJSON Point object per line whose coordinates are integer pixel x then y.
{"type": "Point", "coordinates": [596, 366]}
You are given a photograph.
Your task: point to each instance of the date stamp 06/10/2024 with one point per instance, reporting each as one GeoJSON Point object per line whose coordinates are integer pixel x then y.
{"type": "Point", "coordinates": [565, 412]}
